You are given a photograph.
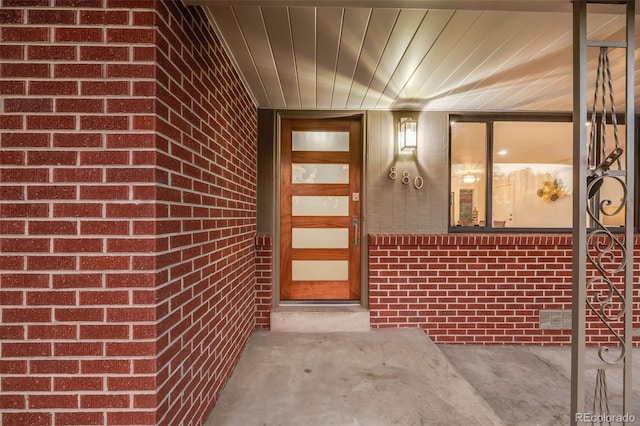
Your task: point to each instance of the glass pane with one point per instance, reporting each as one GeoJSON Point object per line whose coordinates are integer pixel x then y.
{"type": "Point", "coordinates": [468, 174]}
{"type": "Point", "coordinates": [320, 205]}
{"type": "Point", "coordinates": [320, 141]}
{"type": "Point", "coordinates": [320, 270]}
{"type": "Point", "coordinates": [532, 174]}
{"type": "Point", "coordinates": [320, 173]}
{"type": "Point", "coordinates": [320, 238]}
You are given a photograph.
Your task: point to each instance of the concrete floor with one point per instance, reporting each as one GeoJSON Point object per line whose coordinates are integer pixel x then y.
{"type": "Point", "coordinates": [396, 377]}
{"type": "Point", "coordinates": [531, 385]}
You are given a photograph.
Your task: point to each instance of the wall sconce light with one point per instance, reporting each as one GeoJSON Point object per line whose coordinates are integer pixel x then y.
{"type": "Point", "coordinates": [407, 133]}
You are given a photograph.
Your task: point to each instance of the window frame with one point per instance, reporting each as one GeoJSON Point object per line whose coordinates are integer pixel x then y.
{"type": "Point", "coordinates": [489, 119]}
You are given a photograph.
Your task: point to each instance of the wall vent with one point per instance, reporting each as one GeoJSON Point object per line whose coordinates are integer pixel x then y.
{"type": "Point", "coordinates": [555, 319]}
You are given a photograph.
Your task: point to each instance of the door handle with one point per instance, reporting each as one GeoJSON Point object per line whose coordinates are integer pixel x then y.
{"type": "Point", "coordinates": [355, 221]}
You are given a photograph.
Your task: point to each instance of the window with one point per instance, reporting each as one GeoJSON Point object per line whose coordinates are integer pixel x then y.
{"type": "Point", "coordinates": [509, 172]}
{"type": "Point", "coordinates": [468, 174]}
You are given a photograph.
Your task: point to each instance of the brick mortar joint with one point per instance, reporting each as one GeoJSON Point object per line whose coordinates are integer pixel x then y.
{"type": "Point", "coordinates": [492, 240]}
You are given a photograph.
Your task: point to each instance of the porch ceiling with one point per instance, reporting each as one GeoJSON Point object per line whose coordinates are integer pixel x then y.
{"type": "Point", "coordinates": [459, 55]}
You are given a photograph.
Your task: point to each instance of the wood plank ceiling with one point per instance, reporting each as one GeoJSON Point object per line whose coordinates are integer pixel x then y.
{"type": "Point", "coordinates": [451, 55]}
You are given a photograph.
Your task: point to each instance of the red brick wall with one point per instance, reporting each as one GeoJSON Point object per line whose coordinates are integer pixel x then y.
{"type": "Point", "coordinates": [127, 213]}
{"type": "Point", "coordinates": [482, 289]}
{"type": "Point", "coordinates": [207, 146]}
{"type": "Point", "coordinates": [264, 280]}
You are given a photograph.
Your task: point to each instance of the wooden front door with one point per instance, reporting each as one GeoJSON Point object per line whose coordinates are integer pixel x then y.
{"type": "Point", "coordinates": [320, 209]}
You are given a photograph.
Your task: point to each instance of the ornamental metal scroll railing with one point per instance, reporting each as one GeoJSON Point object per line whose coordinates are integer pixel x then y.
{"type": "Point", "coordinates": [606, 250]}
{"type": "Point", "coordinates": [605, 298]}
{"type": "Point", "coordinates": [607, 254]}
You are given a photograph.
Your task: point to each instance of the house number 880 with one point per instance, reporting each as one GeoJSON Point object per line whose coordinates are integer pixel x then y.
{"type": "Point", "coordinates": [418, 182]}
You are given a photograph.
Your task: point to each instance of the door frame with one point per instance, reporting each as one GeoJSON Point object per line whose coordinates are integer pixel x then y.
{"type": "Point", "coordinates": [364, 241]}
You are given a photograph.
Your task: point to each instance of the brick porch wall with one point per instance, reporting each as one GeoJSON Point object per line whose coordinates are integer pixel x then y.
{"type": "Point", "coordinates": [128, 155]}
{"type": "Point", "coordinates": [207, 149]}
{"type": "Point", "coordinates": [264, 279]}
{"type": "Point", "coordinates": [480, 289]}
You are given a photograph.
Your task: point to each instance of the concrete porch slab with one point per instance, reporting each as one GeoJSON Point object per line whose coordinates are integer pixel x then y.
{"type": "Point", "coordinates": [531, 385]}
{"type": "Point", "coordinates": [379, 377]}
